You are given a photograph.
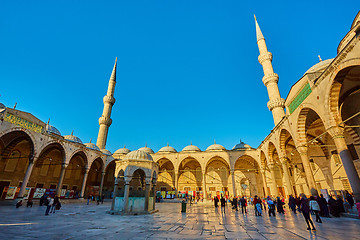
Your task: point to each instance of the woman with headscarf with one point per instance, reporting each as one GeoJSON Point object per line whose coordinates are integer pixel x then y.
{"type": "Point", "coordinates": [305, 210]}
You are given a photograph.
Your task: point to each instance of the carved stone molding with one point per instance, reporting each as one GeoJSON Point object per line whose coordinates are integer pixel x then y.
{"type": "Point", "coordinates": [336, 132]}
{"type": "Point", "coordinates": [270, 78]}
{"type": "Point", "coordinates": [264, 57]}
{"type": "Point", "coordinates": [277, 102]}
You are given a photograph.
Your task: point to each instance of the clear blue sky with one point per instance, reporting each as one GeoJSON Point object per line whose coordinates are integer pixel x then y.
{"type": "Point", "coordinates": [187, 70]}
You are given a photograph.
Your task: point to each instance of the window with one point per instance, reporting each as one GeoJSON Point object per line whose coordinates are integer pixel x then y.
{"type": "Point", "coordinates": [52, 186]}
{"type": "Point", "coordinates": [312, 164]}
{"type": "Point", "coordinates": [198, 188]}
{"type": "Point", "coordinates": [346, 184]}
{"type": "Point", "coordinates": [336, 158]}
{"type": "Point", "coordinates": [187, 188]}
{"type": "Point", "coordinates": [213, 189]}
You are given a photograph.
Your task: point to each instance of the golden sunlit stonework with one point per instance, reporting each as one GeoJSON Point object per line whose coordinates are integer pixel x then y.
{"type": "Point", "coordinates": [314, 145]}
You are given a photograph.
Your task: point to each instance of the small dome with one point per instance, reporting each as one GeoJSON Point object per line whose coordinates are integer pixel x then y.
{"type": "Point", "coordinates": [52, 130]}
{"type": "Point", "coordinates": [191, 148]}
{"type": "Point", "coordinates": [320, 66]}
{"type": "Point", "coordinates": [73, 138]}
{"type": "Point", "coordinates": [106, 152]}
{"type": "Point", "coordinates": [216, 147]}
{"type": "Point", "coordinates": [92, 146]}
{"type": "Point", "coordinates": [167, 149]}
{"type": "Point", "coordinates": [138, 155]}
{"type": "Point", "coordinates": [123, 150]}
{"type": "Point", "coordinates": [146, 149]}
{"type": "Point", "coordinates": [241, 145]}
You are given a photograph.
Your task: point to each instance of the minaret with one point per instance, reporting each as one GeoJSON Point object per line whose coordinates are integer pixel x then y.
{"type": "Point", "coordinates": [105, 120]}
{"type": "Point", "coordinates": [276, 103]}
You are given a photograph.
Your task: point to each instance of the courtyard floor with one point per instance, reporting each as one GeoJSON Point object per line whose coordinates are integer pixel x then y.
{"type": "Point", "coordinates": [202, 221]}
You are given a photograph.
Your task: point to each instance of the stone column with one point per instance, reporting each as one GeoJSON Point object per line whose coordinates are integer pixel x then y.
{"type": "Point", "coordinates": [26, 179]}
{"type": "Point", "coordinates": [262, 171]}
{"type": "Point", "coordinates": [337, 134]}
{"type": "Point", "coordinates": [154, 188]}
{"type": "Point", "coordinates": [233, 182]}
{"type": "Point", "coordinates": [274, 189]}
{"type": "Point", "coordinates": [61, 179]}
{"type": "Point", "coordinates": [126, 193]}
{"type": "Point", "coordinates": [83, 185]}
{"type": "Point", "coordinates": [284, 164]}
{"type": "Point", "coordinates": [114, 194]}
{"type": "Point", "coordinates": [101, 183]}
{"type": "Point", "coordinates": [176, 184]}
{"type": "Point", "coordinates": [204, 183]}
{"type": "Point", "coordinates": [147, 194]}
{"type": "Point", "coordinates": [307, 168]}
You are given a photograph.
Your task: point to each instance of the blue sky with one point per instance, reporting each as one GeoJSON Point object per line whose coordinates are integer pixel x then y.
{"type": "Point", "coordinates": [187, 70]}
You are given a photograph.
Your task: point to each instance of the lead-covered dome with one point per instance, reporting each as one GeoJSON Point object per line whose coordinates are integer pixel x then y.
{"type": "Point", "coordinates": [191, 148]}
{"type": "Point", "coordinates": [167, 149]}
{"type": "Point", "coordinates": [216, 147]}
{"type": "Point", "coordinates": [242, 146]}
{"type": "Point", "coordinates": [92, 146]}
{"type": "Point", "coordinates": [106, 152]}
{"type": "Point", "coordinates": [52, 130]}
{"type": "Point", "coordinates": [138, 155]}
{"type": "Point", "coordinates": [73, 138]}
{"type": "Point", "coordinates": [123, 150]}
{"type": "Point", "coordinates": [320, 66]}
{"type": "Point", "coordinates": [146, 149]}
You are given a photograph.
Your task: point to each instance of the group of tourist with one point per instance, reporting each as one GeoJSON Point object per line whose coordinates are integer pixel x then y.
{"type": "Point", "coordinates": [315, 205]}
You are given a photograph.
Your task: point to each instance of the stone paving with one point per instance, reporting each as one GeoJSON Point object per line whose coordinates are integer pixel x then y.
{"type": "Point", "coordinates": [81, 221]}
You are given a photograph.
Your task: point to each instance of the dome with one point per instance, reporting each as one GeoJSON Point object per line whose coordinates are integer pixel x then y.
{"type": "Point", "coordinates": [138, 155]}
{"type": "Point", "coordinates": [73, 138]}
{"type": "Point", "coordinates": [241, 145]}
{"type": "Point", "coordinates": [191, 148]}
{"type": "Point", "coordinates": [123, 150]}
{"type": "Point", "coordinates": [92, 146]}
{"type": "Point", "coordinates": [52, 129]}
{"type": "Point", "coordinates": [320, 66]}
{"type": "Point", "coordinates": [146, 149]}
{"type": "Point", "coordinates": [106, 152]}
{"type": "Point", "coordinates": [216, 147]}
{"type": "Point", "coordinates": [167, 149]}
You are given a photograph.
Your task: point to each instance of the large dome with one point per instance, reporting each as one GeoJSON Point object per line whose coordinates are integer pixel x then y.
{"type": "Point", "coordinates": [138, 155]}
{"type": "Point", "coordinates": [73, 138]}
{"type": "Point", "coordinates": [216, 147]}
{"type": "Point", "coordinates": [167, 149]}
{"type": "Point", "coordinates": [320, 66]}
{"type": "Point", "coordinates": [146, 149]}
{"type": "Point", "coordinates": [52, 129]}
{"type": "Point", "coordinates": [191, 148]}
{"type": "Point", "coordinates": [241, 145]}
{"type": "Point", "coordinates": [123, 150]}
{"type": "Point", "coordinates": [92, 146]}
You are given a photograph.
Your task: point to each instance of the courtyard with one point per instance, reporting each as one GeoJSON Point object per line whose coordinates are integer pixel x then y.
{"type": "Point", "coordinates": [201, 221]}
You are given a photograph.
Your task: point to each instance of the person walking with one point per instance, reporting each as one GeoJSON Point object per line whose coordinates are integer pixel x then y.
{"type": "Point", "coordinates": [259, 207]}
{"type": "Point", "coordinates": [89, 197]}
{"type": "Point", "coordinates": [292, 204]}
{"type": "Point", "coordinates": [334, 210]}
{"type": "Point", "coordinates": [314, 206]}
{"type": "Point", "coordinates": [235, 203]}
{"type": "Point", "coordinates": [305, 209]}
{"type": "Point", "coordinates": [243, 204]}
{"type": "Point", "coordinates": [216, 202]}
{"type": "Point", "coordinates": [279, 205]}
{"type": "Point", "coordinates": [102, 198]}
{"type": "Point", "coordinates": [271, 206]}
{"type": "Point", "coordinates": [324, 209]}
{"type": "Point", "coordinates": [254, 203]}
{"type": "Point", "coordinates": [223, 203]}
{"type": "Point", "coordinates": [50, 202]}
{"type": "Point", "coordinates": [55, 203]}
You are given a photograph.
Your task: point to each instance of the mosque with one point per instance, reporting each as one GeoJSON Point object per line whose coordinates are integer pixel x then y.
{"type": "Point", "coordinates": [314, 145]}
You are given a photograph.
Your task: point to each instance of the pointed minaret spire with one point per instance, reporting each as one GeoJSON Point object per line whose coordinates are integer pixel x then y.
{"type": "Point", "coordinates": [259, 34]}
{"type": "Point", "coordinates": [105, 120]}
{"type": "Point", "coordinates": [276, 104]}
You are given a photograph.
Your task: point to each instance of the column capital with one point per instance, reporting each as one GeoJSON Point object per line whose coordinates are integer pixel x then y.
{"type": "Point", "coordinates": [127, 180]}
{"type": "Point", "coordinates": [302, 150]}
{"type": "Point", "coordinates": [64, 165]}
{"type": "Point", "coordinates": [336, 132]}
{"type": "Point", "coordinates": [148, 180]}
{"type": "Point", "coordinates": [284, 160]}
{"type": "Point", "coordinates": [271, 166]}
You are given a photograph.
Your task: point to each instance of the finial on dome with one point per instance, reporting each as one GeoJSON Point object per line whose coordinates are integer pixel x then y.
{"type": "Point", "coordinates": [72, 133]}
{"type": "Point", "coordinates": [214, 141]}
{"type": "Point", "coordinates": [320, 60]}
{"type": "Point", "coordinates": [167, 144]}
{"type": "Point", "coordinates": [48, 122]}
{"type": "Point", "coordinates": [124, 145]}
{"type": "Point", "coordinates": [90, 140]}
{"type": "Point", "coordinates": [15, 105]}
{"type": "Point", "coordinates": [145, 144]}
{"type": "Point", "coordinates": [259, 34]}
{"type": "Point", "coordinates": [190, 142]}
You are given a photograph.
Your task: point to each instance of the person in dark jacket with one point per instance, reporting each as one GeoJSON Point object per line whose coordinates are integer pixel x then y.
{"type": "Point", "coordinates": [279, 205]}
{"type": "Point", "coordinates": [349, 198]}
{"type": "Point", "coordinates": [334, 210]}
{"type": "Point", "coordinates": [305, 209]}
{"type": "Point", "coordinates": [223, 203]}
{"type": "Point", "coordinates": [216, 202]}
{"type": "Point", "coordinates": [340, 204]}
{"type": "Point", "coordinates": [243, 204]}
{"type": "Point", "coordinates": [292, 204]}
{"type": "Point", "coordinates": [324, 209]}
